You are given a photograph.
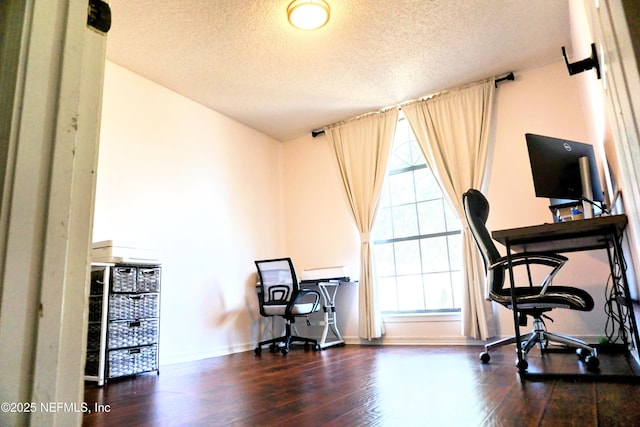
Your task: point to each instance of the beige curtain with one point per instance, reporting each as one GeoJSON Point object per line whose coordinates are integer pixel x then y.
{"type": "Point", "coordinates": [361, 148]}
{"type": "Point", "coordinates": [453, 131]}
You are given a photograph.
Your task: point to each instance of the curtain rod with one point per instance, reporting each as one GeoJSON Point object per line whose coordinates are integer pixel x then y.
{"type": "Point", "coordinates": [508, 76]}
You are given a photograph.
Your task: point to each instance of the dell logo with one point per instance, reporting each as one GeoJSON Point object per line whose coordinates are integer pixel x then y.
{"type": "Point", "coordinates": [567, 146]}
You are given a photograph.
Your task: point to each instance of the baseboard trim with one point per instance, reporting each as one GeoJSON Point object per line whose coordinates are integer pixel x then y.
{"type": "Point", "coordinates": [222, 351]}
{"type": "Point", "coordinates": [453, 340]}
{"type": "Point", "coordinates": [414, 341]}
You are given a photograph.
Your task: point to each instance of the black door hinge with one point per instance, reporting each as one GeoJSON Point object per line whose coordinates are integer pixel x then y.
{"type": "Point", "coordinates": [99, 15]}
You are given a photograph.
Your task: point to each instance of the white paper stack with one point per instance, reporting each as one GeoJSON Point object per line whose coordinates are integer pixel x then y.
{"type": "Point", "coordinates": [326, 273]}
{"type": "Point", "coordinates": [122, 252]}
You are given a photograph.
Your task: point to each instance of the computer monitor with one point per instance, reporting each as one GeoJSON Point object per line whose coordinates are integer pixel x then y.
{"type": "Point", "coordinates": [555, 166]}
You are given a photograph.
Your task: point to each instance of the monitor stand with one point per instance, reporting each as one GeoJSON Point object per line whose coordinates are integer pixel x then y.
{"type": "Point", "coordinates": [587, 190]}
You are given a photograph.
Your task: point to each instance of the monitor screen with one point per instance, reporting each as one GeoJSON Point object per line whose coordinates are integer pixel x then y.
{"type": "Point", "coordinates": [555, 167]}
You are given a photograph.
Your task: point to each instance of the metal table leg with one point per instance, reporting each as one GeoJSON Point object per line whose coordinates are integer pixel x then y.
{"type": "Point", "coordinates": [521, 361]}
{"type": "Point", "coordinates": [330, 319]}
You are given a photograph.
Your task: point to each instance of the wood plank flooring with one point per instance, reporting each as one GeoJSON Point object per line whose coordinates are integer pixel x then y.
{"type": "Point", "coordinates": [366, 386]}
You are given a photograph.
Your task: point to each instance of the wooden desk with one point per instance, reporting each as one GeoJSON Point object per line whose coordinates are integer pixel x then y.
{"type": "Point", "coordinates": [570, 236]}
{"type": "Point", "coordinates": [581, 235]}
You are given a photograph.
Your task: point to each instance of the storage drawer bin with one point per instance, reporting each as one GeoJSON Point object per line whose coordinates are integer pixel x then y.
{"type": "Point", "coordinates": [123, 328]}
{"type": "Point", "coordinates": [130, 361]}
{"type": "Point", "coordinates": [124, 279]}
{"type": "Point", "coordinates": [95, 308]}
{"type": "Point", "coordinates": [93, 336]}
{"type": "Point", "coordinates": [97, 282]}
{"type": "Point", "coordinates": [126, 306]}
{"type": "Point", "coordinates": [148, 279]}
{"type": "Point", "coordinates": [132, 333]}
{"type": "Point", "coordinates": [92, 364]}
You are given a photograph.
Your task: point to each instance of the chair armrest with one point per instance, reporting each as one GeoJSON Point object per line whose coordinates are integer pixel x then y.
{"type": "Point", "coordinates": [302, 293]}
{"type": "Point", "coordinates": [540, 258]}
{"type": "Point", "coordinates": [555, 261]}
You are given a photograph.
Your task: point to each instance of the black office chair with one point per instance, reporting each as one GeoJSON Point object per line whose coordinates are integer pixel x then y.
{"type": "Point", "coordinates": [279, 294]}
{"type": "Point", "coordinates": [533, 301]}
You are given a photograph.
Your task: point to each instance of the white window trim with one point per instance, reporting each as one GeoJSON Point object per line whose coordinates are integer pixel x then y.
{"type": "Point", "coordinates": [446, 316]}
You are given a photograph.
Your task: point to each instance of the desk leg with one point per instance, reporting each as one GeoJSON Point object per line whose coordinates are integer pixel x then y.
{"type": "Point", "coordinates": [521, 362]}
{"type": "Point", "coordinates": [330, 320]}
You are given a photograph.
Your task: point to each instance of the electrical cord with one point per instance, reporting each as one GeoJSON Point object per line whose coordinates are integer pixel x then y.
{"type": "Point", "coordinates": [618, 314]}
{"type": "Point", "coordinates": [600, 205]}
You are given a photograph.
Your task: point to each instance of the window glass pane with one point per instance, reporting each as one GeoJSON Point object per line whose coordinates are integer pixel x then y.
{"type": "Point", "coordinates": [405, 221]}
{"type": "Point", "coordinates": [385, 265]}
{"type": "Point", "coordinates": [405, 150]}
{"type": "Point", "coordinates": [383, 228]}
{"type": "Point", "coordinates": [434, 254]}
{"type": "Point", "coordinates": [401, 188]}
{"type": "Point", "coordinates": [456, 288]}
{"type": "Point", "coordinates": [453, 222]}
{"type": "Point", "coordinates": [388, 294]}
{"type": "Point", "coordinates": [407, 257]}
{"type": "Point", "coordinates": [431, 217]}
{"type": "Point", "coordinates": [455, 251]}
{"type": "Point", "coordinates": [384, 195]}
{"type": "Point", "coordinates": [438, 290]}
{"type": "Point", "coordinates": [427, 187]}
{"type": "Point", "coordinates": [411, 293]}
{"type": "Point", "coordinates": [401, 156]}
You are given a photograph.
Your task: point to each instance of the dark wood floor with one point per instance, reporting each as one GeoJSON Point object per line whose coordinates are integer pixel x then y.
{"type": "Point", "coordinates": [368, 386]}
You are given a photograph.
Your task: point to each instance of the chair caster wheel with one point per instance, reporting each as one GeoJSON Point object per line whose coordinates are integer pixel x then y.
{"type": "Point", "coordinates": [583, 354]}
{"type": "Point", "coordinates": [257, 351]}
{"type": "Point", "coordinates": [522, 365]}
{"type": "Point", "coordinates": [485, 357]}
{"type": "Point", "coordinates": [284, 351]}
{"type": "Point", "coordinates": [316, 347]}
{"type": "Point", "coordinates": [272, 348]}
{"type": "Point", "coordinates": [592, 362]}
{"type": "Point", "coordinates": [588, 358]}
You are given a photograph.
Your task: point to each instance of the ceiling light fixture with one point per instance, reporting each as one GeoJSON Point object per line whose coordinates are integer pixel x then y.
{"type": "Point", "coordinates": [308, 14]}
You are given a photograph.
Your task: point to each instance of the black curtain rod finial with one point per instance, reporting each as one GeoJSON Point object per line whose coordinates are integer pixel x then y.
{"type": "Point", "coordinates": [315, 133]}
{"type": "Point", "coordinates": [509, 76]}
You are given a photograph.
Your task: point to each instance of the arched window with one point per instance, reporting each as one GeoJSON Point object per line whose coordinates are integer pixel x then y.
{"type": "Point", "coordinates": [417, 239]}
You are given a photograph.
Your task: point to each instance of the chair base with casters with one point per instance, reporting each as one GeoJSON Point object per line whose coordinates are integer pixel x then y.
{"type": "Point", "coordinates": [283, 343]}
{"type": "Point", "coordinates": [541, 338]}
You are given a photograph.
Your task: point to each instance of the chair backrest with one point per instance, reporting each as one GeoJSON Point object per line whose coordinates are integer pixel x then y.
{"type": "Point", "coordinates": [476, 212]}
{"type": "Point", "coordinates": [278, 283]}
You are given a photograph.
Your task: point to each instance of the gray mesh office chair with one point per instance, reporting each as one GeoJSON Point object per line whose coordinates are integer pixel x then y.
{"type": "Point", "coordinates": [279, 294]}
{"type": "Point", "coordinates": [532, 301]}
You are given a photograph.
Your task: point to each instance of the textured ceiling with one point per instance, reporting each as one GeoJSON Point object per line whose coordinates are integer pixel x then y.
{"type": "Point", "coordinates": [243, 59]}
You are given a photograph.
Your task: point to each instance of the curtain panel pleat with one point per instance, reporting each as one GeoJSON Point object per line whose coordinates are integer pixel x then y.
{"type": "Point", "coordinates": [452, 130]}
{"type": "Point", "coordinates": [361, 148]}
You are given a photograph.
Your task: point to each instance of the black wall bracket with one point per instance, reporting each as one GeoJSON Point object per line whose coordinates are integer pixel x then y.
{"type": "Point", "coordinates": [99, 15]}
{"type": "Point", "coordinates": [585, 64]}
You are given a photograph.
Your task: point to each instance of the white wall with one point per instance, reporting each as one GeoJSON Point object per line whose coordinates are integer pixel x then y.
{"type": "Point", "coordinates": [201, 190]}
{"type": "Point", "coordinates": [320, 231]}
